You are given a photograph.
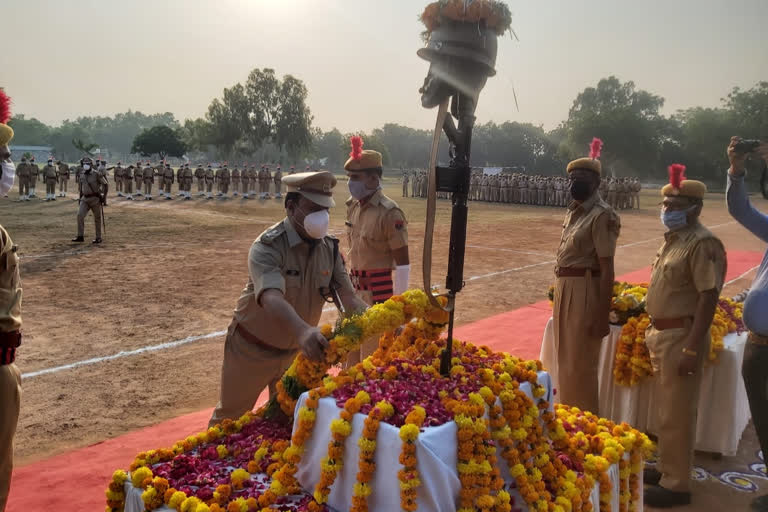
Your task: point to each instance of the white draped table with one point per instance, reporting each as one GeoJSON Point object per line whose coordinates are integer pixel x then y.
{"type": "Point", "coordinates": [723, 411]}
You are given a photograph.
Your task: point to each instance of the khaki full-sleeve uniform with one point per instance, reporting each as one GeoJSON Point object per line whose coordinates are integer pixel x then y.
{"type": "Point", "coordinates": [34, 174]}
{"type": "Point", "coordinates": [128, 181]}
{"type": "Point", "coordinates": [63, 175]}
{"type": "Point", "coordinates": [200, 178]}
{"type": "Point", "coordinates": [10, 376]}
{"type": "Point", "coordinates": [257, 350]}
{"type": "Point", "coordinates": [138, 176]}
{"type": "Point", "coordinates": [119, 179]}
{"type": "Point", "coordinates": [50, 176]}
{"type": "Point", "coordinates": [210, 177]}
{"type": "Point", "coordinates": [277, 179]}
{"type": "Point", "coordinates": [187, 176]}
{"type": "Point", "coordinates": [235, 181]}
{"type": "Point", "coordinates": [691, 261]}
{"type": "Point", "coordinates": [149, 179]}
{"type": "Point", "coordinates": [167, 181]}
{"type": "Point", "coordinates": [589, 233]}
{"type": "Point", "coordinates": [91, 187]}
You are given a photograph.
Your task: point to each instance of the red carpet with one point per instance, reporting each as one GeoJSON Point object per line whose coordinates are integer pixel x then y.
{"type": "Point", "coordinates": [76, 480]}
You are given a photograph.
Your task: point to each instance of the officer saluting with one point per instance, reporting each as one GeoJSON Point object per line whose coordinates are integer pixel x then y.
{"type": "Point", "coordinates": [292, 267]}
{"type": "Point", "coordinates": [93, 189]}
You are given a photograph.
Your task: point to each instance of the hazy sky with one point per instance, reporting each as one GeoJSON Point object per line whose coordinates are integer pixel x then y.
{"type": "Point", "coordinates": [357, 57]}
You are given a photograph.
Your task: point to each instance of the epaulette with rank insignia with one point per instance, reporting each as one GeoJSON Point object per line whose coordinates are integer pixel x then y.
{"type": "Point", "coordinates": [387, 203]}
{"type": "Point", "coordinates": [272, 233]}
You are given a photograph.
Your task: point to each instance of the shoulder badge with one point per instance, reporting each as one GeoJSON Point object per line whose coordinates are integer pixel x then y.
{"type": "Point", "coordinates": [387, 203]}
{"type": "Point", "coordinates": [272, 233]}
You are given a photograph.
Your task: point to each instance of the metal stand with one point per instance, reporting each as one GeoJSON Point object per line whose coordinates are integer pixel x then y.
{"type": "Point", "coordinates": [456, 179]}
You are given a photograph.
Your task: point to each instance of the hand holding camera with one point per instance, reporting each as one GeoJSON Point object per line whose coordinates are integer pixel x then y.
{"type": "Point", "coordinates": [739, 149]}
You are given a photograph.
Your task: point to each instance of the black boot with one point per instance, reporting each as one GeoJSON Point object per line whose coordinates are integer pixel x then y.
{"type": "Point", "coordinates": [96, 241]}
{"type": "Point", "coordinates": [660, 497]}
{"type": "Point", "coordinates": [78, 239]}
{"type": "Point", "coordinates": [651, 476]}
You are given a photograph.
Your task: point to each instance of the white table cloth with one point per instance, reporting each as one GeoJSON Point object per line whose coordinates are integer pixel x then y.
{"type": "Point", "coordinates": [723, 407]}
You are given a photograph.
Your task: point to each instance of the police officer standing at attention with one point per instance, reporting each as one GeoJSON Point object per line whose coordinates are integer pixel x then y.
{"type": "Point", "coordinates": [128, 182]}
{"type": "Point", "coordinates": [291, 269]}
{"type": "Point", "coordinates": [63, 174]}
{"type": "Point", "coordinates": [378, 235]}
{"type": "Point", "coordinates": [93, 190]}
{"type": "Point", "coordinates": [584, 283]}
{"type": "Point", "coordinates": [10, 318]}
{"type": "Point", "coordinates": [685, 286]}
{"type": "Point", "coordinates": [50, 176]}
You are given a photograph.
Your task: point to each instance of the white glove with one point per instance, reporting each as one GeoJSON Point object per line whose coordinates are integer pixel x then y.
{"type": "Point", "coordinates": [402, 273]}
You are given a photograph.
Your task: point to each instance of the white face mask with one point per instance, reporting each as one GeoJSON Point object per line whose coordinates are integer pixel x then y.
{"type": "Point", "coordinates": [9, 175]}
{"type": "Point", "coordinates": [316, 224]}
{"type": "Point", "coordinates": [87, 167]}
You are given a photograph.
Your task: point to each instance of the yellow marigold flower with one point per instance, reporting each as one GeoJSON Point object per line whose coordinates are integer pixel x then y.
{"type": "Point", "coordinates": [149, 495]}
{"type": "Point", "coordinates": [386, 408]}
{"type": "Point", "coordinates": [341, 427]}
{"type": "Point", "coordinates": [306, 414]}
{"type": "Point", "coordinates": [485, 501]}
{"type": "Point", "coordinates": [517, 470]}
{"type": "Point", "coordinates": [409, 432]}
{"type": "Point", "coordinates": [190, 504]}
{"type": "Point", "coordinates": [363, 397]}
{"type": "Point", "coordinates": [176, 500]}
{"type": "Point", "coordinates": [222, 451]}
{"type": "Point", "coordinates": [476, 399]}
{"type": "Point", "coordinates": [519, 434]}
{"type": "Point", "coordinates": [277, 487]}
{"type": "Point", "coordinates": [457, 370]}
{"type": "Point", "coordinates": [202, 507]}
{"type": "Point", "coordinates": [292, 452]}
{"type": "Point", "coordinates": [361, 489]}
{"type": "Point", "coordinates": [367, 445]}
{"type": "Point", "coordinates": [239, 476]}
{"type": "Point", "coordinates": [119, 477]}
{"type": "Point", "coordinates": [138, 476]}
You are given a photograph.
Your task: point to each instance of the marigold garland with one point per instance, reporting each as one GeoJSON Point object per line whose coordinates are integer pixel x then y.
{"type": "Point", "coordinates": [409, 475]}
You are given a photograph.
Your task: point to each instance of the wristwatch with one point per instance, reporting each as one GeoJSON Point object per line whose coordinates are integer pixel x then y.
{"type": "Point", "coordinates": [689, 352]}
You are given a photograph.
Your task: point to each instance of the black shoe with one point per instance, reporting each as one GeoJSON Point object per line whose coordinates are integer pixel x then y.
{"type": "Point", "coordinates": [660, 497]}
{"type": "Point", "coordinates": [651, 476]}
{"type": "Point", "coordinates": [760, 504]}
{"type": "Point", "coordinates": [78, 239]}
{"type": "Point", "coordinates": [96, 241]}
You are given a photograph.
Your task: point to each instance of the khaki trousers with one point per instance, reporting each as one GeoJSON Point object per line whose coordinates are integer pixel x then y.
{"type": "Point", "coordinates": [209, 186]}
{"type": "Point", "coordinates": [63, 182]}
{"type": "Point", "coordinates": [89, 204]}
{"type": "Point", "coordinates": [247, 369]}
{"type": "Point", "coordinates": [148, 188]}
{"type": "Point", "coordinates": [23, 186]}
{"type": "Point", "coordinates": [167, 184]}
{"type": "Point", "coordinates": [578, 352]}
{"type": "Point", "coordinates": [200, 184]}
{"type": "Point", "coordinates": [675, 400]}
{"type": "Point", "coordinates": [10, 403]}
{"type": "Point", "coordinates": [128, 186]}
{"type": "Point", "coordinates": [50, 187]}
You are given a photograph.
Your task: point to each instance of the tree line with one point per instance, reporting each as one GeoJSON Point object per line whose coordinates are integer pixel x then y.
{"type": "Point", "coordinates": [266, 119]}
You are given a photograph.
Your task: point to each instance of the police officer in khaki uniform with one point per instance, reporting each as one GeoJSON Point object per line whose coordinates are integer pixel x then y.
{"type": "Point", "coordinates": [583, 285]}
{"type": "Point", "coordinates": [167, 181]}
{"type": "Point", "coordinates": [210, 177]}
{"type": "Point", "coordinates": [253, 178]}
{"type": "Point", "coordinates": [10, 325]}
{"type": "Point", "coordinates": [63, 177]}
{"type": "Point", "coordinates": [149, 178]}
{"type": "Point", "coordinates": [22, 172]}
{"type": "Point", "coordinates": [377, 236]}
{"type": "Point", "coordinates": [128, 182]}
{"type": "Point", "coordinates": [685, 286]}
{"type": "Point", "coordinates": [34, 174]}
{"type": "Point", "coordinates": [200, 178]}
{"type": "Point", "coordinates": [235, 181]}
{"type": "Point", "coordinates": [93, 190]}
{"type": "Point", "coordinates": [138, 177]}
{"type": "Point", "coordinates": [186, 182]}
{"type": "Point", "coordinates": [292, 267]}
{"type": "Point", "coordinates": [119, 179]}
{"type": "Point", "coordinates": [277, 179]}
{"type": "Point", "coordinates": [50, 177]}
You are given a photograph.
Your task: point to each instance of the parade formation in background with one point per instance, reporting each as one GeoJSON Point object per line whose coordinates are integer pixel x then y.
{"type": "Point", "coordinates": [534, 190]}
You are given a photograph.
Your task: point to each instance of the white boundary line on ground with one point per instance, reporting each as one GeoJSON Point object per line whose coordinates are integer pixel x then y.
{"type": "Point", "coordinates": [742, 275]}
{"type": "Point", "coordinates": [191, 339]}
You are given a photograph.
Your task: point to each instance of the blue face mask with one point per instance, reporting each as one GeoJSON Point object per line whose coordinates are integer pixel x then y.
{"type": "Point", "coordinates": [674, 219]}
{"type": "Point", "coordinates": [358, 190]}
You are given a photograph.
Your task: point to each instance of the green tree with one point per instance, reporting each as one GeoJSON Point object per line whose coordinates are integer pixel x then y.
{"type": "Point", "coordinates": [29, 132]}
{"type": "Point", "coordinates": [159, 140]}
{"type": "Point", "coordinates": [750, 110]}
{"type": "Point", "coordinates": [625, 118]}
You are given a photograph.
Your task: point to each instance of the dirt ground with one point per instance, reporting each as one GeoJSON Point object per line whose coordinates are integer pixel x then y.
{"type": "Point", "coordinates": [173, 269]}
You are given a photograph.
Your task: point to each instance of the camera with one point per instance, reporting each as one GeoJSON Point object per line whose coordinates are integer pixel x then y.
{"type": "Point", "coordinates": [745, 146]}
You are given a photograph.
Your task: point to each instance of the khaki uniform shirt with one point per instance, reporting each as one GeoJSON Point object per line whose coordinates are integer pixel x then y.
{"type": "Point", "coordinates": [186, 175]}
{"type": "Point", "coordinates": [168, 174]}
{"type": "Point", "coordinates": [235, 174]}
{"type": "Point", "coordinates": [34, 172]}
{"type": "Point", "coordinates": [280, 259]}
{"type": "Point", "coordinates": [49, 173]}
{"type": "Point", "coordinates": [148, 174]}
{"type": "Point", "coordinates": [64, 171]}
{"type": "Point", "coordinates": [209, 174]}
{"type": "Point", "coordinates": [91, 185]}
{"type": "Point", "coordinates": [278, 177]}
{"type": "Point", "coordinates": [590, 232]}
{"type": "Point", "coordinates": [199, 172]}
{"type": "Point", "coordinates": [119, 172]}
{"type": "Point", "coordinates": [691, 260]}
{"type": "Point", "coordinates": [128, 174]}
{"type": "Point", "coordinates": [375, 228]}
{"type": "Point", "coordinates": [10, 285]}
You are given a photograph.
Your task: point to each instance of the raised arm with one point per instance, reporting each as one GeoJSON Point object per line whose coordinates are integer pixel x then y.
{"type": "Point", "coordinates": [739, 205]}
